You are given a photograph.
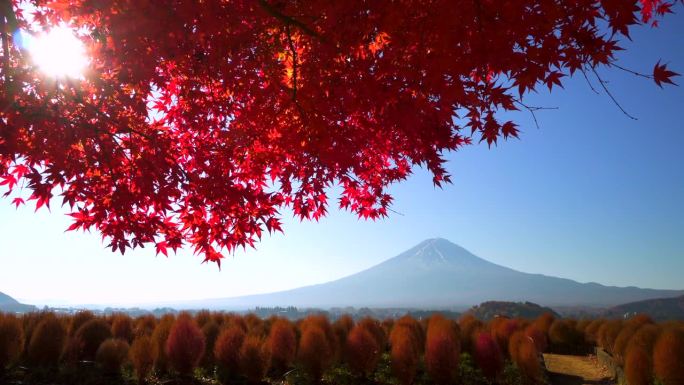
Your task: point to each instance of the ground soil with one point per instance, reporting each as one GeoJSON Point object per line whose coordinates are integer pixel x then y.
{"type": "Point", "coordinates": [576, 370]}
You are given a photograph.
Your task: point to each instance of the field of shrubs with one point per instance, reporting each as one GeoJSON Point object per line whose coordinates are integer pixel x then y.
{"type": "Point", "coordinates": [222, 348]}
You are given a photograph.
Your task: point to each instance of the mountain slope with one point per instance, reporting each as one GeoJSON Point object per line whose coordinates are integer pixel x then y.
{"type": "Point", "coordinates": [660, 309]}
{"type": "Point", "coordinates": [11, 305]}
{"type": "Point", "coordinates": [437, 273]}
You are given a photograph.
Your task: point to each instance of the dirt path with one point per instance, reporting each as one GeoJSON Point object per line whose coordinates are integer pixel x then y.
{"type": "Point", "coordinates": [576, 370]}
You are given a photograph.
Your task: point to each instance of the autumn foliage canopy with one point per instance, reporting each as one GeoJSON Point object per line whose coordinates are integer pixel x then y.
{"type": "Point", "coordinates": [200, 122]}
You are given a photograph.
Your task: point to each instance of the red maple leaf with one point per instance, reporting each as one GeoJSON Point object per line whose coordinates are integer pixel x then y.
{"type": "Point", "coordinates": [662, 75]}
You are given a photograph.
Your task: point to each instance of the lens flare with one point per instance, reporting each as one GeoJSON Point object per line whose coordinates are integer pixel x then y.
{"type": "Point", "coordinates": [58, 53]}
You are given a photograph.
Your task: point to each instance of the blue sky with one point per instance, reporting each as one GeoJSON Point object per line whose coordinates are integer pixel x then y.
{"type": "Point", "coordinates": [591, 195]}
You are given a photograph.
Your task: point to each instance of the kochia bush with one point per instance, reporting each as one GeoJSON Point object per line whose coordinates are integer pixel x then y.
{"type": "Point", "coordinates": [111, 355]}
{"type": "Point", "coordinates": [404, 353]}
{"type": "Point", "coordinates": [227, 350]}
{"type": "Point", "coordinates": [638, 369]}
{"type": "Point", "coordinates": [668, 357]}
{"type": "Point", "coordinates": [487, 354]}
{"type": "Point", "coordinates": [141, 356]}
{"type": "Point", "coordinates": [283, 345]}
{"type": "Point", "coordinates": [11, 340]}
{"type": "Point", "coordinates": [47, 342]}
{"type": "Point", "coordinates": [122, 327]}
{"type": "Point", "coordinates": [255, 358]}
{"type": "Point", "coordinates": [362, 351]}
{"type": "Point", "coordinates": [442, 350]}
{"type": "Point", "coordinates": [89, 337]}
{"type": "Point", "coordinates": [185, 345]}
{"type": "Point", "coordinates": [315, 353]}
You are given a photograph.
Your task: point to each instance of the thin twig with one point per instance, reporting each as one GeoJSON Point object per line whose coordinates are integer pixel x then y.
{"type": "Point", "coordinates": [532, 109]}
{"type": "Point", "coordinates": [603, 85]}
{"type": "Point", "coordinates": [584, 73]}
{"type": "Point", "coordinates": [631, 71]}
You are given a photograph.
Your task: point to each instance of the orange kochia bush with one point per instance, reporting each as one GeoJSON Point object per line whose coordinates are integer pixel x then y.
{"type": "Point", "coordinates": [141, 356]}
{"type": "Point", "coordinates": [11, 340]}
{"type": "Point", "coordinates": [282, 342]}
{"type": "Point", "coordinates": [405, 351]}
{"type": "Point", "coordinates": [315, 353]}
{"type": "Point", "coordinates": [47, 342]}
{"type": "Point", "coordinates": [227, 349]}
{"type": "Point", "coordinates": [442, 349]}
{"type": "Point", "coordinates": [668, 357]}
{"type": "Point", "coordinates": [185, 345]}
{"type": "Point", "coordinates": [362, 350]}
{"type": "Point", "coordinates": [255, 358]}
{"type": "Point", "coordinates": [89, 336]}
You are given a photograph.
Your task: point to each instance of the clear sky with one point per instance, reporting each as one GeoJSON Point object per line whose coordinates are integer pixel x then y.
{"type": "Point", "coordinates": [591, 195]}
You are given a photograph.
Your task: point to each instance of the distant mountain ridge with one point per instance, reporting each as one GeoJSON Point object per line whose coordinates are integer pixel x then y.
{"type": "Point", "coordinates": [11, 305]}
{"type": "Point", "coordinates": [660, 309]}
{"type": "Point", "coordinates": [439, 274]}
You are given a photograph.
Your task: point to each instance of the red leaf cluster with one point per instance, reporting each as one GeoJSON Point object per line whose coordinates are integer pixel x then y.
{"type": "Point", "coordinates": [183, 131]}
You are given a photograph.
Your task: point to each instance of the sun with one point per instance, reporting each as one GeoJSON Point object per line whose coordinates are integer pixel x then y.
{"type": "Point", "coordinates": [58, 52]}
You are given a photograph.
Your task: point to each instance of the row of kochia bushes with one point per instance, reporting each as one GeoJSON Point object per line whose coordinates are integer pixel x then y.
{"type": "Point", "coordinates": [234, 346]}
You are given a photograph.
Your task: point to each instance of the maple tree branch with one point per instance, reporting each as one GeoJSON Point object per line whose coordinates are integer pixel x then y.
{"type": "Point", "coordinates": [288, 20]}
{"type": "Point", "coordinates": [532, 109]}
{"type": "Point", "coordinates": [614, 64]}
{"type": "Point", "coordinates": [584, 73]}
{"type": "Point", "coordinates": [603, 85]}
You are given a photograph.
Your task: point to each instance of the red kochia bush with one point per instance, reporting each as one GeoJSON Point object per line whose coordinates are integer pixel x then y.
{"type": "Point", "coordinates": [111, 355]}
{"type": "Point", "coordinates": [404, 352]}
{"type": "Point", "coordinates": [122, 327]}
{"type": "Point", "coordinates": [255, 358]}
{"type": "Point", "coordinates": [78, 320]}
{"type": "Point", "coordinates": [144, 325]}
{"type": "Point", "coordinates": [442, 349]}
{"type": "Point", "coordinates": [211, 330]}
{"type": "Point", "coordinates": [638, 366]}
{"type": "Point", "coordinates": [668, 357]}
{"type": "Point", "coordinates": [227, 349]}
{"type": "Point", "coordinates": [469, 327]}
{"type": "Point", "coordinates": [282, 342]}
{"type": "Point", "coordinates": [315, 353]}
{"type": "Point", "coordinates": [524, 354]}
{"type": "Point", "coordinates": [141, 357]}
{"type": "Point", "coordinates": [342, 326]}
{"type": "Point", "coordinates": [540, 339]}
{"type": "Point", "coordinates": [415, 329]}
{"type": "Point", "coordinates": [89, 337]}
{"type": "Point", "coordinates": [185, 345]}
{"type": "Point", "coordinates": [47, 342]}
{"type": "Point", "coordinates": [488, 355]}
{"type": "Point", "coordinates": [607, 334]}
{"type": "Point", "coordinates": [159, 338]}
{"type": "Point", "coordinates": [11, 340]}
{"type": "Point", "coordinates": [362, 351]}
